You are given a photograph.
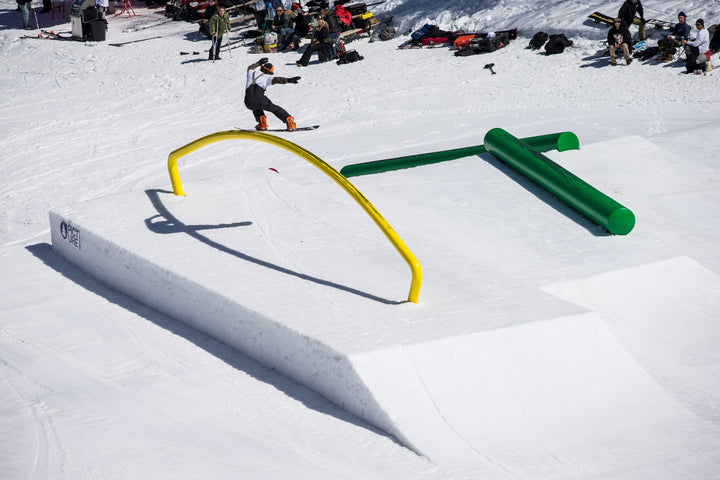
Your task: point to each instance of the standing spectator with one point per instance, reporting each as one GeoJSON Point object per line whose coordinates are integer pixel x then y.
{"type": "Point", "coordinates": [219, 24]}
{"type": "Point", "coordinates": [619, 37]}
{"type": "Point", "coordinates": [696, 51]}
{"type": "Point", "coordinates": [25, 6]}
{"type": "Point", "coordinates": [627, 14]}
{"type": "Point", "coordinates": [679, 32]}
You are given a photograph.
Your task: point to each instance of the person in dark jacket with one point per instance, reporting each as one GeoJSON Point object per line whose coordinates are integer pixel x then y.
{"type": "Point", "coordinates": [257, 82]}
{"type": "Point", "coordinates": [679, 32]}
{"type": "Point", "coordinates": [321, 43]}
{"type": "Point", "coordinates": [619, 37]}
{"type": "Point", "coordinates": [302, 28]}
{"type": "Point", "coordinates": [281, 25]}
{"type": "Point", "coordinates": [206, 16]}
{"type": "Point", "coordinates": [627, 13]}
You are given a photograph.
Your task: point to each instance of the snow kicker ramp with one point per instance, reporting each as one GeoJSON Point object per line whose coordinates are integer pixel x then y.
{"type": "Point", "coordinates": [488, 375]}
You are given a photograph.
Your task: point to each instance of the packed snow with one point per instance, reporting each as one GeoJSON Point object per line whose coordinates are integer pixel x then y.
{"type": "Point", "coordinates": [541, 346]}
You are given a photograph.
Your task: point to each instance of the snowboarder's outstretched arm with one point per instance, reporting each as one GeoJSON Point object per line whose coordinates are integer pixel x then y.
{"type": "Point", "coordinates": [285, 80]}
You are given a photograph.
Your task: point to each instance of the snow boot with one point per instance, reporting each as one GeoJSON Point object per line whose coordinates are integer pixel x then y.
{"type": "Point", "coordinates": [612, 61]}
{"type": "Point", "coordinates": [291, 124]}
{"type": "Point", "coordinates": [262, 126]}
{"type": "Point", "coordinates": [628, 60]}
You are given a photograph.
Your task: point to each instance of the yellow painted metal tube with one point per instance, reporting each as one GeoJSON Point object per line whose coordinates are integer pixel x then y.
{"type": "Point", "coordinates": [323, 166]}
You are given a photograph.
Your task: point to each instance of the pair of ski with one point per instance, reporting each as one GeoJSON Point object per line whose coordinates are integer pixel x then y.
{"type": "Point", "coordinates": [48, 34]}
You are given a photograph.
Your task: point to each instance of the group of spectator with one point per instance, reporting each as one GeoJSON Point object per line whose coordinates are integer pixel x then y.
{"type": "Point", "coordinates": [697, 51]}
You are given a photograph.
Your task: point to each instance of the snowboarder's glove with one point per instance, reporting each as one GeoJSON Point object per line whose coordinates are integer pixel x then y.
{"type": "Point", "coordinates": [293, 79]}
{"type": "Point", "coordinates": [263, 61]}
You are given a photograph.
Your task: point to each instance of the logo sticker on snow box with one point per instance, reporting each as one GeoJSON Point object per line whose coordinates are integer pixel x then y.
{"type": "Point", "coordinates": [71, 234]}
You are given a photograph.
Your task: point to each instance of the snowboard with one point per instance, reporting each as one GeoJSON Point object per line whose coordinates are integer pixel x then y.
{"type": "Point", "coordinates": [298, 129]}
{"type": "Point", "coordinates": [598, 17]}
{"type": "Point", "coordinates": [659, 24]}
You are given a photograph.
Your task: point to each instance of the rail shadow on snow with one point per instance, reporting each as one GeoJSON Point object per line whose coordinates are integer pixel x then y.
{"type": "Point", "coordinates": [547, 197]}
{"type": "Point", "coordinates": [232, 357]}
{"type": "Point", "coordinates": [171, 224]}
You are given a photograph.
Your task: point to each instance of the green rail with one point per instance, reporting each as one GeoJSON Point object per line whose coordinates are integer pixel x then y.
{"type": "Point", "coordinates": [543, 143]}
{"type": "Point", "coordinates": [581, 196]}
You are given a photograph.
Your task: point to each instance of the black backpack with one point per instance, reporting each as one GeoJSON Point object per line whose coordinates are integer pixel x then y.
{"type": "Point", "coordinates": [349, 57]}
{"type": "Point", "coordinates": [557, 44]}
{"type": "Point", "coordinates": [538, 40]}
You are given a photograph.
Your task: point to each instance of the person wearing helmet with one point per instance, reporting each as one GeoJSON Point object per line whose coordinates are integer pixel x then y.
{"type": "Point", "coordinates": [255, 100]}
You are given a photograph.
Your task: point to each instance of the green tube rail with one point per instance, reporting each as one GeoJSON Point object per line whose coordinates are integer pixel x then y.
{"type": "Point", "coordinates": [579, 195]}
{"type": "Point", "coordinates": [543, 143]}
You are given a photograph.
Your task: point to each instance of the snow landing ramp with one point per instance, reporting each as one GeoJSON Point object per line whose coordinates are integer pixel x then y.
{"type": "Point", "coordinates": [488, 375]}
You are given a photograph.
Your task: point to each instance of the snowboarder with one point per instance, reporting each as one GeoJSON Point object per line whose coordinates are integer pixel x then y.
{"type": "Point", "coordinates": [255, 99]}
{"type": "Point", "coordinates": [219, 24]}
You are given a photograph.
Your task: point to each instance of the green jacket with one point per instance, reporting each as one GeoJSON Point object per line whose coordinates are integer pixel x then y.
{"type": "Point", "coordinates": [219, 25]}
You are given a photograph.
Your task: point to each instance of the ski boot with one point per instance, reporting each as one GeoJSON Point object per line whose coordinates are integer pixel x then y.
{"type": "Point", "coordinates": [262, 126]}
{"type": "Point", "coordinates": [291, 124]}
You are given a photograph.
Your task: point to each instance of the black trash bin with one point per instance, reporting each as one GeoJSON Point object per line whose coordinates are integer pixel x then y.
{"type": "Point", "coordinates": [98, 28]}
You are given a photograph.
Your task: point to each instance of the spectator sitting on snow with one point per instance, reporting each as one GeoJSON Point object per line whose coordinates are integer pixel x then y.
{"type": "Point", "coordinates": [696, 51]}
{"type": "Point", "coordinates": [333, 24]}
{"type": "Point", "coordinates": [281, 25]}
{"type": "Point", "coordinates": [619, 37]}
{"type": "Point", "coordinates": [627, 14]}
{"type": "Point", "coordinates": [679, 32]}
{"type": "Point", "coordinates": [321, 43]}
{"type": "Point", "coordinates": [302, 28]}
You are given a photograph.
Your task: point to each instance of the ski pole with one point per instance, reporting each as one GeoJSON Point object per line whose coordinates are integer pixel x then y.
{"type": "Point", "coordinates": [228, 40]}
{"type": "Point", "coordinates": [36, 20]}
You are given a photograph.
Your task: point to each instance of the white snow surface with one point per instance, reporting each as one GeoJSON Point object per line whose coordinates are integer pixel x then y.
{"type": "Point", "coordinates": [541, 346]}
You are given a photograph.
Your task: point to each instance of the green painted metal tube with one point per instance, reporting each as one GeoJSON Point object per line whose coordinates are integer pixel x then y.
{"type": "Point", "coordinates": [543, 143]}
{"type": "Point", "coordinates": [581, 196]}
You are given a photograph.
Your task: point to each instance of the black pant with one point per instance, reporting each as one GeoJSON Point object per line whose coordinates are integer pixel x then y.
{"type": "Point", "coordinates": [325, 51]}
{"type": "Point", "coordinates": [691, 57]}
{"type": "Point", "coordinates": [256, 101]}
{"type": "Point", "coordinates": [215, 48]}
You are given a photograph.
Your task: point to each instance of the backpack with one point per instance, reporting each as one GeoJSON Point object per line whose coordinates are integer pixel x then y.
{"type": "Point", "coordinates": [349, 57]}
{"type": "Point", "coordinates": [538, 40]}
{"type": "Point", "coordinates": [557, 44]}
{"type": "Point", "coordinates": [463, 41]}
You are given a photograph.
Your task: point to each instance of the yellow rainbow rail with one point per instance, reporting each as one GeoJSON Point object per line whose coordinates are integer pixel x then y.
{"type": "Point", "coordinates": [323, 166]}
